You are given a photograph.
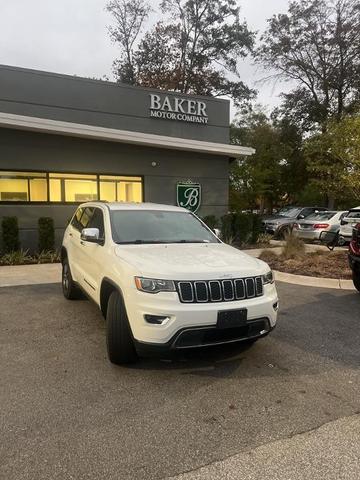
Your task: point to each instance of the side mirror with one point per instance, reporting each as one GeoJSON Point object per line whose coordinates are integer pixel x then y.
{"type": "Point", "coordinates": [343, 222]}
{"type": "Point", "coordinates": [217, 232]}
{"type": "Point", "coordinates": [91, 235]}
{"type": "Point", "coordinates": [301, 217]}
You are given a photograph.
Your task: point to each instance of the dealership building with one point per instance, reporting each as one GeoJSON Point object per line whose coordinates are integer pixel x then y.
{"type": "Point", "coordinates": [66, 140]}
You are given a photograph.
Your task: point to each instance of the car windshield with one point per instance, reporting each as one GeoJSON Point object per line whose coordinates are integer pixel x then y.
{"type": "Point", "coordinates": [322, 216]}
{"type": "Point", "coordinates": [283, 211]}
{"type": "Point", "coordinates": [156, 226]}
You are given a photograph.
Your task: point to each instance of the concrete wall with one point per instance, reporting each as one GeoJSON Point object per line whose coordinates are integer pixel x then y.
{"type": "Point", "coordinates": [106, 104]}
{"type": "Point", "coordinates": [21, 150]}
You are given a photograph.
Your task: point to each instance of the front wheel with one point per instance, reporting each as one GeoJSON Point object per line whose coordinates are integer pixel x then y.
{"type": "Point", "coordinates": [120, 344]}
{"type": "Point", "coordinates": [70, 290]}
{"type": "Point", "coordinates": [356, 279]}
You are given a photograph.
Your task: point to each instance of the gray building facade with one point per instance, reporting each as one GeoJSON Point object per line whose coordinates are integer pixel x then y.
{"type": "Point", "coordinates": [65, 140]}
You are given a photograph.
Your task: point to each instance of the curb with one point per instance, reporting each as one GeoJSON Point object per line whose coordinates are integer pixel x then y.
{"type": "Point", "coordinates": [314, 281]}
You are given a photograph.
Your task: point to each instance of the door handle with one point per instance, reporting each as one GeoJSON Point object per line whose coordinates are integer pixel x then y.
{"type": "Point", "coordinates": [82, 243]}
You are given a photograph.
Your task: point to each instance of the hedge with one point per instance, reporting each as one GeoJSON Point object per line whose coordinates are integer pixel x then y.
{"type": "Point", "coordinates": [46, 234]}
{"type": "Point", "coordinates": [240, 228]}
{"type": "Point", "coordinates": [10, 234]}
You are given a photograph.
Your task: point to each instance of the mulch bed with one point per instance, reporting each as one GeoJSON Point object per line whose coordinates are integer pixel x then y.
{"type": "Point", "coordinates": [315, 264]}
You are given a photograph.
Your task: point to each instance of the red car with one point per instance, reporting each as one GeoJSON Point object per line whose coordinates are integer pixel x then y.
{"type": "Point", "coordinates": [354, 256]}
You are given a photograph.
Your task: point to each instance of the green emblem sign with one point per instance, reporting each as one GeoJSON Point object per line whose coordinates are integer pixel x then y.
{"type": "Point", "coordinates": [189, 196]}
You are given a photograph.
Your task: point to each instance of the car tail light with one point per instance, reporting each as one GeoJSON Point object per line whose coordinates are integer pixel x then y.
{"type": "Point", "coordinates": [321, 225]}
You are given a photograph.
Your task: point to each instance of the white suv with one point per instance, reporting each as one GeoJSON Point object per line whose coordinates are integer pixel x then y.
{"type": "Point", "coordinates": [163, 280]}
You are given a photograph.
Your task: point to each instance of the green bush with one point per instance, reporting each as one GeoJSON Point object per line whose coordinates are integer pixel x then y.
{"type": "Point", "coordinates": [46, 234]}
{"type": "Point", "coordinates": [242, 228]}
{"type": "Point", "coordinates": [211, 221]}
{"type": "Point", "coordinates": [10, 234]}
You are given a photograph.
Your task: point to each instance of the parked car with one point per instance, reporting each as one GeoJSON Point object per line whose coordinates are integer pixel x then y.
{"type": "Point", "coordinates": [312, 228]}
{"type": "Point", "coordinates": [348, 223]}
{"type": "Point", "coordinates": [163, 280]}
{"type": "Point", "coordinates": [282, 223]}
{"type": "Point", "coordinates": [354, 256]}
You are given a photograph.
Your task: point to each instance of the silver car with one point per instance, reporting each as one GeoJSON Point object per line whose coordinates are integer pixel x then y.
{"type": "Point", "coordinates": [311, 228]}
{"type": "Point", "coordinates": [348, 222]}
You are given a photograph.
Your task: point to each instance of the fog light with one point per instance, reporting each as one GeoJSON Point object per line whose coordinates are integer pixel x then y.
{"type": "Point", "coordinates": [156, 319]}
{"type": "Point", "coordinates": [276, 306]}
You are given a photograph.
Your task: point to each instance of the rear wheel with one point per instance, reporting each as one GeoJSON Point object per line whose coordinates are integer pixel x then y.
{"type": "Point", "coordinates": [120, 344]}
{"type": "Point", "coordinates": [70, 290]}
{"type": "Point", "coordinates": [356, 279]}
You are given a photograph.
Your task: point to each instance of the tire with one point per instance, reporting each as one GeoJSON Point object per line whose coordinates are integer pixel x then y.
{"type": "Point", "coordinates": [119, 340]}
{"type": "Point", "coordinates": [356, 279]}
{"type": "Point", "coordinates": [70, 290]}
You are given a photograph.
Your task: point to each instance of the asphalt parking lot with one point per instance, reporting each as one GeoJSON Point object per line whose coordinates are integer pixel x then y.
{"type": "Point", "coordinates": [66, 412]}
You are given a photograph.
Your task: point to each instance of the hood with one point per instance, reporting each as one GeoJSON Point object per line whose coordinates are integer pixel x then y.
{"type": "Point", "coordinates": [190, 261]}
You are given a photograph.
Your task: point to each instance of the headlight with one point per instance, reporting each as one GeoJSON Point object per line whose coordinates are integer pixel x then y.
{"type": "Point", "coordinates": [152, 285]}
{"type": "Point", "coordinates": [268, 278]}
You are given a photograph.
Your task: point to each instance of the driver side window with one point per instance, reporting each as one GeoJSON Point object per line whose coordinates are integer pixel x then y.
{"type": "Point", "coordinates": [97, 221]}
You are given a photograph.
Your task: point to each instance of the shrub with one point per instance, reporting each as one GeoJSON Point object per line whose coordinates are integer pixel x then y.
{"type": "Point", "coordinates": [264, 239]}
{"type": "Point", "coordinates": [46, 234]}
{"type": "Point", "coordinates": [18, 257]}
{"type": "Point", "coordinates": [227, 231]}
{"type": "Point", "coordinates": [47, 257]}
{"type": "Point", "coordinates": [211, 221]}
{"type": "Point", "coordinates": [293, 248]}
{"type": "Point", "coordinates": [10, 234]}
{"type": "Point", "coordinates": [243, 228]}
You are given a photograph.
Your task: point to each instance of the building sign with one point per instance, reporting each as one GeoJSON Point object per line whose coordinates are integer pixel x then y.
{"type": "Point", "coordinates": [181, 109]}
{"type": "Point", "coordinates": [189, 195]}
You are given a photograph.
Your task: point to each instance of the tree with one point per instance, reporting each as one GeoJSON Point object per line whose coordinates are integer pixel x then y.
{"type": "Point", "coordinates": [195, 50]}
{"type": "Point", "coordinates": [129, 18]}
{"type": "Point", "coordinates": [316, 46]}
{"type": "Point", "coordinates": [256, 181]}
{"type": "Point", "coordinates": [334, 160]}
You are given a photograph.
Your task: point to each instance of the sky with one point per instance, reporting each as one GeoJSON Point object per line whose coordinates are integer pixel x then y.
{"type": "Point", "coordinates": [70, 36]}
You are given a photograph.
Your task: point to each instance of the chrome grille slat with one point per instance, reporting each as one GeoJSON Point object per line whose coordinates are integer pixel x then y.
{"type": "Point", "coordinates": [208, 291]}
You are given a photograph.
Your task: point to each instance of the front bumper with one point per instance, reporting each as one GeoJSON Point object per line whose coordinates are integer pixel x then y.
{"type": "Point", "coordinates": [195, 316]}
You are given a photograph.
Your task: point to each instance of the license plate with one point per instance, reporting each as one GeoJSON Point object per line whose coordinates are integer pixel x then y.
{"type": "Point", "coordinates": [232, 318]}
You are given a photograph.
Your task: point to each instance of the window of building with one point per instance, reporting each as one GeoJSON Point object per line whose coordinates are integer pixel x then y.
{"type": "Point", "coordinates": [23, 187]}
{"type": "Point", "coordinates": [65, 187]}
{"type": "Point", "coordinates": [68, 187]}
{"type": "Point", "coordinates": [120, 189]}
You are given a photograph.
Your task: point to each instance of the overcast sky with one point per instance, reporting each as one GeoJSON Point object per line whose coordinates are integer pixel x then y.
{"type": "Point", "coordinates": [70, 36]}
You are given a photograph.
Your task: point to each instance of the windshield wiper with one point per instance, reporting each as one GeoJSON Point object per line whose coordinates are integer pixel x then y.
{"type": "Point", "coordinates": [141, 242]}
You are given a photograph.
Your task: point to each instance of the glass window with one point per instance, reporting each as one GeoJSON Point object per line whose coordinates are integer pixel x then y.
{"type": "Point", "coordinates": [86, 216]}
{"type": "Point", "coordinates": [97, 221]}
{"type": "Point", "coordinates": [68, 187]}
{"type": "Point", "coordinates": [77, 188]}
{"type": "Point", "coordinates": [156, 226]}
{"type": "Point", "coordinates": [75, 222]}
{"type": "Point", "coordinates": [23, 187]}
{"type": "Point", "coordinates": [120, 189]}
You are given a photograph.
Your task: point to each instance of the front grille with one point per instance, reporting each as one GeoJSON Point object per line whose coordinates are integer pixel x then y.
{"type": "Point", "coordinates": [220, 290]}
